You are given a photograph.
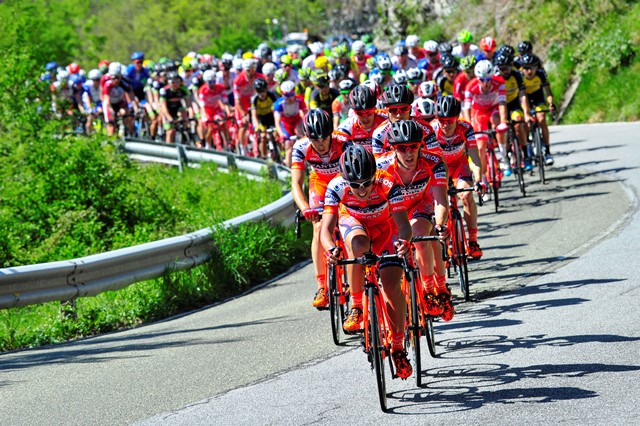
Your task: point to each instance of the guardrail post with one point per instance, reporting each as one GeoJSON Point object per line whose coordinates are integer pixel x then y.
{"type": "Point", "coordinates": [182, 157]}
{"type": "Point", "coordinates": [231, 162]}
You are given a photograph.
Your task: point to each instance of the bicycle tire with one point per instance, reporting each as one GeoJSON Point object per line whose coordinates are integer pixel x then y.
{"type": "Point", "coordinates": [461, 261]}
{"type": "Point", "coordinates": [519, 162]}
{"type": "Point", "coordinates": [377, 348]}
{"type": "Point", "coordinates": [336, 310]}
{"type": "Point", "coordinates": [430, 335]}
{"type": "Point", "coordinates": [537, 136]}
{"type": "Point", "coordinates": [493, 168]}
{"type": "Point", "coordinates": [415, 327]}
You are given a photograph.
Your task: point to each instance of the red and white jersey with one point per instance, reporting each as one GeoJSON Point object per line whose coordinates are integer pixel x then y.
{"type": "Point", "coordinates": [350, 130]}
{"type": "Point", "coordinates": [114, 91]}
{"type": "Point", "coordinates": [210, 97]}
{"type": "Point", "coordinates": [459, 85]}
{"type": "Point", "coordinates": [456, 146]}
{"type": "Point", "coordinates": [380, 139]}
{"type": "Point", "coordinates": [325, 166]}
{"type": "Point", "coordinates": [476, 99]}
{"type": "Point", "coordinates": [243, 88]}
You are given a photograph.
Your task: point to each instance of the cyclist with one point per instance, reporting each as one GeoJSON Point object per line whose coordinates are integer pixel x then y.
{"type": "Point", "coordinates": [214, 109]}
{"type": "Point", "coordinates": [485, 105]}
{"type": "Point", "coordinates": [175, 102]}
{"type": "Point", "coordinates": [138, 75]}
{"type": "Point", "coordinates": [341, 105]}
{"type": "Point", "coordinates": [324, 95]}
{"type": "Point", "coordinates": [446, 75]}
{"type": "Point", "coordinates": [286, 64]}
{"type": "Point", "coordinates": [91, 98]}
{"type": "Point", "coordinates": [288, 112]}
{"type": "Point", "coordinates": [243, 91]}
{"type": "Point", "coordinates": [424, 109]}
{"type": "Point", "coordinates": [415, 51]}
{"type": "Point", "coordinates": [458, 142]}
{"type": "Point", "coordinates": [424, 181]}
{"type": "Point", "coordinates": [488, 49]}
{"type": "Point", "coordinates": [537, 86]}
{"type": "Point", "coordinates": [415, 77]}
{"type": "Point", "coordinates": [467, 65]}
{"type": "Point", "coordinates": [115, 100]}
{"type": "Point", "coordinates": [401, 59]}
{"type": "Point", "coordinates": [262, 113]}
{"type": "Point", "coordinates": [523, 47]}
{"type": "Point", "coordinates": [466, 47]}
{"type": "Point", "coordinates": [517, 103]}
{"type": "Point", "coordinates": [321, 151]}
{"type": "Point", "coordinates": [226, 75]}
{"type": "Point", "coordinates": [432, 61]}
{"type": "Point", "coordinates": [359, 127]}
{"type": "Point", "coordinates": [359, 59]}
{"type": "Point", "coordinates": [368, 207]}
{"type": "Point", "coordinates": [428, 90]}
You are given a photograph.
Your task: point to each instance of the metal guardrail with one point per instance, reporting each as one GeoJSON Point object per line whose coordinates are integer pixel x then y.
{"type": "Point", "coordinates": [91, 275]}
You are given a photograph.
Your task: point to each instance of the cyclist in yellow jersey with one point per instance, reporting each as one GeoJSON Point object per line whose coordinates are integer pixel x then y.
{"type": "Point", "coordinates": [446, 75]}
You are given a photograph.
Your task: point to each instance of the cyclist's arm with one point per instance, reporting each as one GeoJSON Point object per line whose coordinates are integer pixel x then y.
{"type": "Point", "coordinates": [401, 218]}
{"type": "Point", "coordinates": [524, 102]}
{"type": "Point", "coordinates": [547, 91]}
{"type": "Point", "coordinates": [297, 182]}
{"type": "Point", "coordinates": [504, 112]}
{"type": "Point", "coordinates": [441, 211]}
{"type": "Point", "coordinates": [164, 111]}
{"type": "Point", "coordinates": [277, 118]}
{"type": "Point", "coordinates": [327, 228]}
{"type": "Point", "coordinates": [475, 163]}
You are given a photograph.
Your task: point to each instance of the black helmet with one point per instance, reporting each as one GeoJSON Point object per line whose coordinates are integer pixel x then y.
{"type": "Point", "coordinates": [357, 163]}
{"type": "Point", "coordinates": [397, 94]}
{"type": "Point", "coordinates": [529, 59]}
{"type": "Point", "coordinates": [362, 98]}
{"type": "Point", "coordinates": [405, 131]}
{"type": "Point", "coordinates": [317, 124]}
{"type": "Point", "coordinates": [448, 107]}
{"type": "Point", "coordinates": [525, 47]}
{"type": "Point", "coordinates": [342, 68]}
{"type": "Point", "coordinates": [260, 84]}
{"type": "Point", "coordinates": [507, 49]}
{"type": "Point", "coordinates": [502, 59]}
{"type": "Point", "coordinates": [445, 47]}
{"type": "Point", "coordinates": [449, 61]}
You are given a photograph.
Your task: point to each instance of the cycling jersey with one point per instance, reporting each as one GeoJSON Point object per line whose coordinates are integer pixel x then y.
{"type": "Point", "coordinates": [243, 89]}
{"type": "Point", "coordinates": [290, 111]}
{"type": "Point", "coordinates": [445, 87]}
{"type": "Point", "coordinates": [324, 166]}
{"type": "Point", "coordinates": [264, 108]}
{"type": "Point", "coordinates": [340, 107]}
{"type": "Point", "coordinates": [137, 79]}
{"type": "Point", "coordinates": [350, 130]}
{"type": "Point", "coordinates": [91, 96]}
{"type": "Point", "coordinates": [459, 85]}
{"type": "Point", "coordinates": [175, 98]}
{"type": "Point", "coordinates": [456, 146]}
{"type": "Point", "coordinates": [319, 101]}
{"type": "Point", "coordinates": [536, 83]}
{"type": "Point", "coordinates": [476, 99]}
{"type": "Point", "coordinates": [513, 85]}
{"type": "Point", "coordinates": [115, 92]}
{"type": "Point", "coordinates": [380, 142]}
{"type": "Point", "coordinates": [211, 97]}
{"type": "Point", "coordinates": [361, 65]}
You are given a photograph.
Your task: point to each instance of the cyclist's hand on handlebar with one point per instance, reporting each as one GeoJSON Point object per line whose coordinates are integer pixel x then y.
{"type": "Point", "coordinates": [332, 255]}
{"type": "Point", "coordinates": [552, 108]}
{"type": "Point", "coordinates": [502, 127]}
{"type": "Point", "coordinates": [442, 231]}
{"type": "Point", "coordinates": [402, 247]}
{"type": "Point", "coordinates": [311, 215]}
{"type": "Point", "coordinates": [480, 187]}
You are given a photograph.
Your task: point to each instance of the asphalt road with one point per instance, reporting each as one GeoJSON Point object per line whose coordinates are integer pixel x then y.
{"type": "Point", "coordinates": [551, 335]}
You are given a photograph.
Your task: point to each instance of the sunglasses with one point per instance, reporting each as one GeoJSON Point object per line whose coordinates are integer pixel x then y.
{"type": "Point", "coordinates": [137, 62]}
{"type": "Point", "coordinates": [527, 68]}
{"type": "Point", "coordinates": [322, 85]}
{"type": "Point", "coordinates": [286, 65]}
{"type": "Point", "coordinates": [504, 68]}
{"type": "Point", "coordinates": [415, 82]}
{"type": "Point", "coordinates": [399, 109]}
{"type": "Point", "coordinates": [364, 112]}
{"type": "Point", "coordinates": [450, 70]}
{"type": "Point", "coordinates": [404, 148]}
{"type": "Point", "coordinates": [485, 80]}
{"type": "Point", "coordinates": [289, 95]}
{"type": "Point", "coordinates": [358, 185]}
{"type": "Point", "coordinates": [447, 120]}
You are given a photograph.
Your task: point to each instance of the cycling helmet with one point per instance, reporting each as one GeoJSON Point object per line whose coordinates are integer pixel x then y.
{"type": "Point", "coordinates": [449, 61]}
{"type": "Point", "coordinates": [484, 69]}
{"type": "Point", "coordinates": [525, 47]}
{"type": "Point", "coordinates": [173, 76]}
{"type": "Point", "coordinates": [414, 75]}
{"type": "Point", "coordinates": [316, 47]}
{"type": "Point", "coordinates": [412, 40]}
{"type": "Point", "coordinates": [374, 87]}
{"type": "Point", "coordinates": [288, 87]}
{"type": "Point", "coordinates": [73, 68]}
{"type": "Point", "coordinates": [362, 98]}
{"type": "Point", "coordinates": [431, 46]}
{"type": "Point", "coordinates": [400, 77]}
{"type": "Point", "coordinates": [427, 89]}
{"type": "Point", "coordinates": [376, 77]}
{"type": "Point", "coordinates": [488, 44]}
{"type": "Point", "coordinates": [357, 163]}
{"type": "Point", "coordinates": [51, 66]}
{"type": "Point", "coordinates": [445, 47]}
{"type": "Point", "coordinates": [424, 107]}
{"type": "Point", "coordinates": [137, 56]}
{"type": "Point", "coordinates": [62, 76]}
{"type": "Point", "coordinates": [286, 59]}
{"type": "Point", "coordinates": [371, 50]}
{"type": "Point", "coordinates": [397, 94]}
{"type": "Point", "coordinates": [405, 131]}
{"type": "Point", "coordinates": [209, 76]}
{"type": "Point", "coordinates": [340, 51]}
{"type": "Point", "coordinates": [502, 59]}
{"type": "Point", "coordinates": [343, 68]}
{"type": "Point", "coordinates": [465, 36]}
{"type": "Point", "coordinates": [321, 62]}
{"type": "Point", "coordinates": [94, 74]}
{"type": "Point", "coordinates": [529, 59]}
{"type": "Point", "coordinates": [280, 76]}
{"type": "Point", "coordinates": [317, 124]}
{"type": "Point", "coordinates": [321, 79]}
{"type": "Point", "coordinates": [260, 84]}
{"type": "Point", "coordinates": [347, 85]}
{"type": "Point", "coordinates": [383, 62]}
{"type": "Point", "coordinates": [507, 49]}
{"type": "Point", "coordinates": [335, 74]}
{"type": "Point", "coordinates": [357, 47]}
{"type": "Point", "coordinates": [448, 107]}
{"type": "Point", "coordinates": [400, 50]}
{"type": "Point", "coordinates": [248, 64]}
{"type": "Point", "coordinates": [269, 68]}
{"type": "Point", "coordinates": [225, 64]}
{"type": "Point", "coordinates": [115, 69]}
{"type": "Point", "coordinates": [468, 62]}
{"type": "Point", "coordinates": [303, 73]}
{"type": "Point", "coordinates": [75, 79]}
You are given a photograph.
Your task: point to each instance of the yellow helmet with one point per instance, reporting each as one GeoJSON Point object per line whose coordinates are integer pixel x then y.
{"type": "Point", "coordinates": [321, 62]}
{"type": "Point", "coordinates": [247, 55]}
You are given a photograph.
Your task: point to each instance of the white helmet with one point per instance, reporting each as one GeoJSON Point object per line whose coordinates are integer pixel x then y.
{"type": "Point", "coordinates": [237, 63]}
{"type": "Point", "coordinates": [95, 74]}
{"type": "Point", "coordinates": [484, 69]}
{"type": "Point", "coordinates": [427, 89]}
{"type": "Point", "coordinates": [412, 40]}
{"type": "Point", "coordinates": [287, 87]}
{"type": "Point", "coordinates": [424, 107]}
{"type": "Point", "coordinates": [358, 46]}
{"type": "Point", "coordinates": [248, 64]}
{"type": "Point", "coordinates": [208, 76]}
{"type": "Point", "coordinates": [400, 77]}
{"type": "Point", "coordinates": [430, 46]}
{"type": "Point", "coordinates": [115, 69]}
{"type": "Point", "coordinates": [316, 47]}
{"type": "Point", "coordinates": [376, 77]}
{"type": "Point", "coordinates": [269, 68]}
{"type": "Point", "coordinates": [62, 75]}
{"type": "Point", "coordinates": [414, 74]}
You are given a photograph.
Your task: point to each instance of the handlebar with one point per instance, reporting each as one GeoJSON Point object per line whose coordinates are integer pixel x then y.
{"type": "Point", "coordinates": [369, 258]}
{"type": "Point", "coordinates": [432, 238]}
{"type": "Point", "coordinates": [453, 191]}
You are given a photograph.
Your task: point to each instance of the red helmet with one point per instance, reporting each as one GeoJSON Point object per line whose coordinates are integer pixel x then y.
{"type": "Point", "coordinates": [73, 68]}
{"type": "Point", "coordinates": [488, 44]}
{"type": "Point", "coordinates": [103, 63]}
{"type": "Point", "coordinates": [206, 58]}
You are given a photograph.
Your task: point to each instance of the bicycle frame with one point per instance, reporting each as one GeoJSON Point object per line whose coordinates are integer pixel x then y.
{"type": "Point", "coordinates": [458, 239]}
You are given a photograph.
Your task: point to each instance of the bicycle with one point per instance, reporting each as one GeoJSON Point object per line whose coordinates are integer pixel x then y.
{"type": "Point", "coordinates": [517, 157]}
{"type": "Point", "coordinates": [458, 239]}
{"type": "Point", "coordinates": [376, 336]}
{"type": "Point", "coordinates": [141, 124]}
{"type": "Point", "coordinates": [418, 322]}
{"type": "Point", "coordinates": [183, 130]}
{"type": "Point", "coordinates": [536, 145]}
{"type": "Point", "coordinates": [218, 136]}
{"type": "Point", "coordinates": [494, 174]}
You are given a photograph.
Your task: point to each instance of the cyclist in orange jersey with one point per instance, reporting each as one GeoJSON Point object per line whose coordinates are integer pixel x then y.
{"type": "Point", "coordinates": [368, 207]}
{"type": "Point", "coordinates": [321, 151]}
{"type": "Point", "coordinates": [358, 128]}
{"type": "Point", "coordinates": [458, 142]}
{"type": "Point", "coordinates": [424, 181]}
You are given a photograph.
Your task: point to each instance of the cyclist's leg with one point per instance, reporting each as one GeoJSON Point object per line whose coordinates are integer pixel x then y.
{"type": "Point", "coordinates": [317, 190]}
{"type": "Point", "coordinates": [480, 123]}
{"type": "Point", "coordinates": [357, 242]}
{"type": "Point", "coordinates": [464, 179]}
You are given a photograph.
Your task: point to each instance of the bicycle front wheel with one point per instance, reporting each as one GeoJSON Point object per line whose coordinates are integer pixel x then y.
{"type": "Point", "coordinates": [431, 336]}
{"type": "Point", "coordinates": [335, 308]}
{"type": "Point", "coordinates": [415, 327]}
{"type": "Point", "coordinates": [377, 348]}
{"type": "Point", "coordinates": [461, 259]}
{"type": "Point", "coordinates": [537, 140]}
{"type": "Point", "coordinates": [493, 168]}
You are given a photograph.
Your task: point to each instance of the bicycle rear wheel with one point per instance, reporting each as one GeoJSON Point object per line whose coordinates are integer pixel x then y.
{"type": "Point", "coordinates": [493, 168]}
{"type": "Point", "coordinates": [461, 258]}
{"type": "Point", "coordinates": [537, 140]}
{"type": "Point", "coordinates": [414, 327]}
{"type": "Point", "coordinates": [335, 308]}
{"type": "Point", "coordinates": [377, 348]}
{"type": "Point", "coordinates": [520, 169]}
{"type": "Point", "coordinates": [431, 336]}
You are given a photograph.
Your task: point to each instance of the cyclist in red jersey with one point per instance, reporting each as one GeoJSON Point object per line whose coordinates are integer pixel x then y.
{"type": "Point", "coordinates": [214, 107]}
{"type": "Point", "coordinates": [415, 51]}
{"type": "Point", "coordinates": [358, 128]}
{"type": "Point", "coordinates": [424, 181]}
{"type": "Point", "coordinates": [485, 106]}
{"type": "Point", "coordinates": [467, 65]}
{"type": "Point", "coordinates": [243, 91]}
{"type": "Point", "coordinates": [432, 58]}
{"type": "Point", "coordinates": [368, 207]}
{"type": "Point", "coordinates": [321, 151]}
{"type": "Point", "coordinates": [359, 58]}
{"type": "Point", "coordinates": [458, 142]}
{"type": "Point", "coordinates": [288, 111]}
